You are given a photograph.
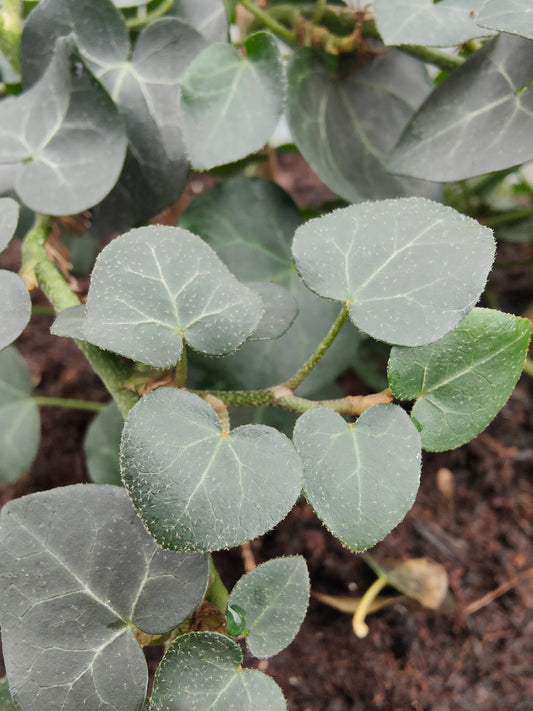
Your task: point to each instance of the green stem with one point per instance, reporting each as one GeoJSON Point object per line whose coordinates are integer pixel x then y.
{"type": "Point", "coordinates": [266, 18]}
{"type": "Point", "coordinates": [37, 310]}
{"type": "Point", "coordinates": [38, 270]}
{"type": "Point", "coordinates": [68, 403]}
{"type": "Point", "coordinates": [503, 218]}
{"type": "Point", "coordinates": [217, 593]}
{"type": "Point", "coordinates": [181, 370]}
{"type": "Point", "coordinates": [359, 625]}
{"type": "Point", "coordinates": [431, 55]}
{"type": "Point", "coordinates": [320, 8]}
{"type": "Point", "coordinates": [301, 374]}
{"type": "Point", "coordinates": [11, 32]}
{"type": "Point", "coordinates": [528, 367]}
{"type": "Point", "coordinates": [135, 23]}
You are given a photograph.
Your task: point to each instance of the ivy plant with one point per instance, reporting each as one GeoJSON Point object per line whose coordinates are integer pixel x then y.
{"type": "Point", "coordinates": [221, 334]}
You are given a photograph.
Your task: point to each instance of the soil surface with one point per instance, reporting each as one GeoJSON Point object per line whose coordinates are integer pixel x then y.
{"type": "Point", "coordinates": [473, 514]}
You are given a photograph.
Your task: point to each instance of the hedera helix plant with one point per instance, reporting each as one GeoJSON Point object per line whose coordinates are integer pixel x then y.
{"type": "Point", "coordinates": [242, 316]}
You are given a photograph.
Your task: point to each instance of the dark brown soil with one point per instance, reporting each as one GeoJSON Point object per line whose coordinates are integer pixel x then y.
{"type": "Point", "coordinates": [480, 529]}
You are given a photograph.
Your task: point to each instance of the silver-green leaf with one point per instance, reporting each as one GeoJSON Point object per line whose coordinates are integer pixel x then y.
{"type": "Point", "coordinates": [360, 479]}
{"type": "Point", "coordinates": [202, 672]}
{"type": "Point", "coordinates": [463, 380]}
{"type": "Point", "coordinates": [206, 16]}
{"type": "Point", "coordinates": [15, 307]}
{"type": "Point", "coordinates": [230, 103]}
{"type": "Point", "coordinates": [409, 269]}
{"type": "Point", "coordinates": [78, 572]}
{"type": "Point", "coordinates": [9, 216]}
{"type": "Point", "coordinates": [513, 16]}
{"type": "Point", "coordinates": [478, 120]}
{"type": "Point", "coordinates": [20, 426]}
{"type": "Point", "coordinates": [347, 126]}
{"type": "Point", "coordinates": [155, 287]}
{"type": "Point", "coordinates": [274, 597]}
{"type": "Point", "coordinates": [69, 323]}
{"type": "Point", "coordinates": [443, 24]}
{"type": "Point", "coordinates": [279, 310]}
{"type": "Point", "coordinates": [196, 487]}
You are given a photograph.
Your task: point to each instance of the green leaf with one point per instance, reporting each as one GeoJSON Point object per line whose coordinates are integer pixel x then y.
{"type": "Point", "coordinates": [69, 323]}
{"type": "Point", "coordinates": [206, 16]}
{"type": "Point", "coordinates": [6, 702]}
{"type": "Point", "coordinates": [514, 16]}
{"type": "Point", "coordinates": [360, 479]}
{"type": "Point", "coordinates": [9, 216]}
{"type": "Point", "coordinates": [274, 597]}
{"type": "Point", "coordinates": [425, 22]}
{"type": "Point", "coordinates": [478, 120]}
{"type": "Point", "coordinates": [202, 670]}
{"type": "Point", "coordinates": [230, 104]}
{"type": "Point", "coordinates": [279, 310]}
{"type": "Point", "coordinates": [101, 446]}
{"type": "Point", "coordinates": [235, 620]}
{"type": "Point", "coordinates": [255, 244]}
{"type": "Point", "coordinates": [20, 427]}
{"type": "Point", "coordinates": [197, 488]}
{"type": "Point", "coordinates": [462, 381]}
{"type": "Point", "coordinates": [97, 28]}
{"type": "Point", "coordinates": [67, 134]}
{"type": "Point", "coordinates": [154, 287]}
{"type": "Point", "coordinates": [15, 307]}
{"type": "Point", "coordinates": [78, 571]}
{"type": "Point", "coordinates": [347, 126]}
{"type": "Point", "coordinates": [409, 269]}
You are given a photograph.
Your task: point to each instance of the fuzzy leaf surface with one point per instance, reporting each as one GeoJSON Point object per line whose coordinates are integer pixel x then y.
{"type": "Point", "coordinates": [410, 269]}
{"type": "Point", "coordinates": [279, 310]}
{"type": "Point", "coordinates": [346, 127]}
{"type": "Point", "coordinates": [230, 104]}
{"type": "Point", "coordinates": [360, 479]}
{"type": "Point", "coordinates": [15, 307]}
{"type": "Point", "coordinates": [154, 287]}
{"type": "Point", "coordinates": [478, 120]}
{"type": "Point", "coordinates": [443, 24]}
{"type": "Point", "coordinates": [101, 446]}
{"type": "Point", "coordinates": [513, 16]}
{"type": "Point", "coordinates": [196, 488]}
{"type": "Point", "coordinates": [78, 568]}
{"type": "Point", "coordinates": [20, 425]}
{"type": "Point", "coordinates": [9, 216]}
{"type": "Point", "coordinates": [67, 133]}
{"type": "Point", "coordinates": [206, 16]}
{"type": "Point", "coordinates": [463, 380]}
{"type": "Point", "coordinates": [255, 244]}
{"type": "Point", "coordinates": [69, 322]}
{"type": "Point", "coordinates": [274, 597]}
{"type": "Point", "coordinates": [202, 671]}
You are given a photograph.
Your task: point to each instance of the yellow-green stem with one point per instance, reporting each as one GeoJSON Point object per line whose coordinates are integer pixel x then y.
{"type": "Point", "coordinates": [280, 30]}
{"type": "Point", "coordinates": [359, 625]}
{"type": "Point", "coordinates": [135, 23]}
{"type": "Point", "coordinates": [217, 593]}
{"type": "Point", "coordinates": [69, 403]}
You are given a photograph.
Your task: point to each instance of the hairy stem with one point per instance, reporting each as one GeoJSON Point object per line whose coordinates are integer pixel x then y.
{"type": "Point", "coordinates": [135, 23]}
{"type": "Point", "coordinates": [301, 374]}
{"type": "Point", "coordinates": [68, 403]}
{"type": "Point", "coordinates": [269, 21]}
{"type": "Point", "coordinates": [38, 270]}
{"type": "Point", "coordinates": [431, 55]}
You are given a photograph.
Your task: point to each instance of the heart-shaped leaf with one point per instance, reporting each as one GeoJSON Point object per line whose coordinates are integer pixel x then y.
{"type": "Point", "coordinates": [101, 446]}
{"type": "Point", "coordinates": [9, 216]}
{"type": "Point", "coordinates": [202, 670]}
{"type": "Point", "coordinates": [255, 244]}
{"type": "Point", "coordinates": [206, 16]}
{"type": "Point", "coordinates": [230, 103]}
{"type": "Point", "coordinates": [279, 310]}
{"type": "Point", "coordinates": [409, 269]}
{"type": "Point", "coordinates": [78, 571]}
{"type": "Point", "coordinates": [442, 24]}
{"type": "Point", "coordinates": [274, 597]}
{"type": "Point", "coordinates": [513, 16]}
{"type": "Point", "coordinates": [20, 426]}
{"type": "Point", "coordinates": [15, 307]}
{"type": "Point", "coordinates": [68, 135]}
{"type": "Point", "coordinates": [198, 488]}
{"type": "Point", "coordinates": [154, 287]}
{"type": "Point", "coordinates": [478, 120]}
{"type": "Point", "coordinates": [347, 126]}
{"type": "Point", "coordinates": [463, 380]}
{"type": "Point", "coordinates": [360, 479]}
